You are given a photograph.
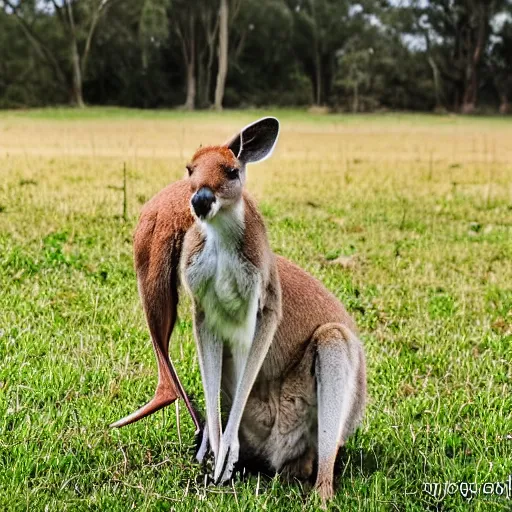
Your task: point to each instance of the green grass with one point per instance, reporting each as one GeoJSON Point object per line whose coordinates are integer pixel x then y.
{"type": "Point", "coordinates": [422, 204]}
{"type": "Point", "coordinates": [119, 113]}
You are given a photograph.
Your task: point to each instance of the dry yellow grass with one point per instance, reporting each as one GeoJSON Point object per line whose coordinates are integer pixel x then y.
{"type": "Point", "coordinates": [389, 154]}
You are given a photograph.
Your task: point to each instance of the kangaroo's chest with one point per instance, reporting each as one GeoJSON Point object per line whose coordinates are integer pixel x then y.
{"type": "Point", "coordinates": [225, 287]}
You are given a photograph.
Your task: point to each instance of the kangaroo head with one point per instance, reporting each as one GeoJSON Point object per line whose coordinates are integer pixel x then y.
{"type": "Point", "coordinates": [217, 173]}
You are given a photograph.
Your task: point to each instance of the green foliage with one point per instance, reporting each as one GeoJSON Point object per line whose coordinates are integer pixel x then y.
{"type": "Point", "coordinates": [351, 57]}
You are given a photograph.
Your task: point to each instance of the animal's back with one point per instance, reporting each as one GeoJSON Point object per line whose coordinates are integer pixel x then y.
{"type": "Point", "coordinates": [163, 222]}
{"type": "Point", "coordinates": [306, 305]}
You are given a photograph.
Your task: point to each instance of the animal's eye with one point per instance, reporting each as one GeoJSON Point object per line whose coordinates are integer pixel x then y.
{"type": "Point", "coordinates": [232, 172]}
{"type": "Point", "coordinates": [189, 170]}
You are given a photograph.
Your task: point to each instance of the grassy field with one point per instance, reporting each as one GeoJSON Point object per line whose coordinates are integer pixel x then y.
{"type": "Point", "coordinates": [407, 219]}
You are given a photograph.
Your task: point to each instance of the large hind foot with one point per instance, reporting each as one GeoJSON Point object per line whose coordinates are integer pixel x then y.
{"type": "Point", "coordinates": [325, 490]}
{"type": "Point", "coordinates": [300, 468]}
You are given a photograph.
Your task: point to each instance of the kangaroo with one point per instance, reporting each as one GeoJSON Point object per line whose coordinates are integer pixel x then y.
{"type": "Point", "coordinates": [275, 348]}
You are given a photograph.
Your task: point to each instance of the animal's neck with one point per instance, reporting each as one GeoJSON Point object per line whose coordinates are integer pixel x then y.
{"type": "Point", "coordinates": [227, 227]}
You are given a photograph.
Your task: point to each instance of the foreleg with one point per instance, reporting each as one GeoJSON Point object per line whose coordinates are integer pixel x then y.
{"type": "Point", "coordinates": [209, 350]}
{"type": "Point", "coordinates": [229, 446]}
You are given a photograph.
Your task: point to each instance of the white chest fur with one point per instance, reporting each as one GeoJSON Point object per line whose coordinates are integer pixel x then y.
{"type": "Point", "coordinates": [224, 284]}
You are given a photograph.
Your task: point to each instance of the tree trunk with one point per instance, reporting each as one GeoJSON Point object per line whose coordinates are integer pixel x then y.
{"type": "Point", "coordinates": [318, 78]}
{"type": "Point", "coordinates": [90, 35]}
{"type": "Point", "coordinates": [191, 69]}
{"type": "Point", "coordinates": [200, 82]}
{"type": "Point", "coordinates": [505, 104]}
{"type": "Point", "coordinates": [456, 100]}
{"type": "Point", "coordinates": [223, 54]}
{"type": "Point", "coordinates": [210, 22]}
{"type": "Point", "coordinates": [471, 91]}
{"type": "Point", "coordinates": [204, 76]}
{"type": "Point", "coordinates": [437, 84]}
{"type": "Point", "coordinates": [355, 104]}
{"type": "Point", "coordinates": [191, 85]}
{"type": "Point", "coordinates": [208, 78]}
{"type": "Point", "coordinates": [204, 71]}
{"type": "Point", "coordinates": [470, 94]}
{"type": "Point", "coordinates": [209, 64]}
{"type": "Point", "coordinates": [77, 95]}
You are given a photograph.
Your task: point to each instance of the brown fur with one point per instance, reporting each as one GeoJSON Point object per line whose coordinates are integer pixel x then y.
{"type": "Point", "coordinates": [307, 316]}
{"type": "Point", "coordinates": [214, 151]}
{"type": "Point", "coordinates": [208, 167]}
{"type": "Point", "coordinates": [306, 306]}
{"type": "Point", "coordinates": [158, 240]}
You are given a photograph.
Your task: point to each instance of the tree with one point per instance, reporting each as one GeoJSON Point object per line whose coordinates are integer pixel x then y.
{"type": "Point", "coordinates": [476, 37]}
{"type": "Point", "coordinates": [263, 66]}
{"type": "Point", "coordinates": [153, 34]}
{"type": "Point", "coordinates": [78, 31]}
{"type": "Point", "coordinates": [445, 54]}
{"type": "Point", "coordinates": [183, 19]}
{"type": "Point", "coordinates": [223, 54]}
{"type": "Point", "coordinates": [209, 23]}
{"type": "Point", "coordinates": [153, 27]}
{"type": "Point", "coordinates": [500, 58]}
{"type": "Point", "coordinates": [23, 80]}
{"type": "Point", "coordinates": [321, 30]}
{"type": "Point", "coordinates": [355, 70]}
{"type": "Point", "coordinates": [227, 14]}
{"type": "Point", "coordinates": [457, 36]}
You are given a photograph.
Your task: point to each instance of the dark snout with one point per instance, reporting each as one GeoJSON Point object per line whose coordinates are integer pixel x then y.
{"type": "Point", "coordinates": [202, 201]}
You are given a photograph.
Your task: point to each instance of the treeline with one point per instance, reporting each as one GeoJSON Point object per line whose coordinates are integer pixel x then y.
{"type": "Point", "coordinates": [451, 55]}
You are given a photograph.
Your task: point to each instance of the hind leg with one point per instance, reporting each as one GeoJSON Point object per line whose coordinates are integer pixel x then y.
{"type": "Point", "coordinates": [341, 389]}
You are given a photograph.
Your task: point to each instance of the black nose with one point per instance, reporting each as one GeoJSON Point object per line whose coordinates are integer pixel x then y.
{"type": "Point", "coordinates": [202, 200]}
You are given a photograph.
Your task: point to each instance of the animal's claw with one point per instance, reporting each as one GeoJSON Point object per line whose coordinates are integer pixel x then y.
{"type": "Point", "coordinates": [204, 447]}
{"type": "Point", "coordinates": [225, 463]}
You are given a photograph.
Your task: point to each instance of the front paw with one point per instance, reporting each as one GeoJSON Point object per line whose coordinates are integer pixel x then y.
{"type": "Point", "coordinates": [225, 462]}
{"type": "Point", "coordinates": [203, 448]}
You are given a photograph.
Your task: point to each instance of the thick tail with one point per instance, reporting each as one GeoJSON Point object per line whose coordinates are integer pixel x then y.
{"type": "Point", "coordinates": [157, 250]}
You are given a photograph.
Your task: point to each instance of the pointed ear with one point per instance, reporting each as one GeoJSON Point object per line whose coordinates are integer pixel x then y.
{"type": "Point", "coordinates": [256, 141]}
